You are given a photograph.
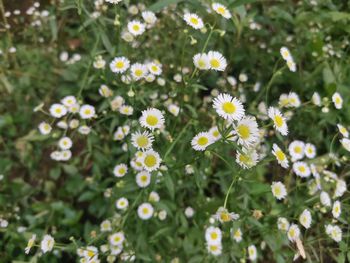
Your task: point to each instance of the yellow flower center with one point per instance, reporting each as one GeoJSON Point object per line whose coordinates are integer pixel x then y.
{"type": "Point", "coordinates": [58, 110]}
{"type": "Point", "coordinates": [136, 27]}
{"type": "Point", "coordinates": [201, 63]}
{"type": "Point", "coordinates": [144, 178]}
{"type": "Point", "coordinates": [225, 217]}
{"type": "Point", "coordinates": [214, 235]}
{"type": "Point", "coordinates": [87, 111]}
{"type": "Point", "coordinates": [145, 210]}
{"type": "Point", "coordinates": [302, 169]}
{"type": "Point", "coordinates": [297, 149]}
{"type": "Point", "coordinates": [154, 68]}
{"type": "Point", "coordinates": [280, 155]}
{"type": "Point", "coordinates": [221, 10]}
{"type": "Point", "coordinates": [278, 121]}
{"type": "Point", "coordinates": [277, 191]}
{"type": "Point", "coordinates": [119, 64]}
{"type": "Point", "coordinates": [243, 131]}
{"type": "Point", "coordinates": [215, 63]}
{"type": "Point", "coordinates": [122, 170]}
{"type": "Point", "coordinates": [150, 160]}
{"type": "Point", "coordinates": [152, 120]}
{"type": "Point", "coordinates": [229, 107]}
{"type": "Point", "coordinates": [142, 141]}
{"type": "Point", "coordinates": [202, 141]}
{"type": "Point", "coordinates": [138, 72]}
{"type": "Point", "coordinates": [194, 21]}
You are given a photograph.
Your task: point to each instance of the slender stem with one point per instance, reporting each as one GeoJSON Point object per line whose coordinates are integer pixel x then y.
{"type": "Point", "coordinates": [229, 190]}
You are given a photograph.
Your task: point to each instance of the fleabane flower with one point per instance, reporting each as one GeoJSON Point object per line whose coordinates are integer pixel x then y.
{"type": "Point", "coordinates": [154, 68]}
{"type": "Point", "coordinates": [305, 218]}
{"type": "Point", "coordinates": [293, 233]}
{"type": "Point", "coordinates": [346, 143]}
{"type": "Point", "coordinates": [143, 179]}
{"type": "Point", "coordinates": [247, 158]}
{"type": "Point", "coordinates": [228, 107]}
{"type": "Point", "coordinates": [336, 210]}
{"type": "Point", "coordinates": [310, 150]}
{"type": "Point", "coordinates": [280, 156]}
{"type": "Point", "coordinates": [150, 160]}
{"type": "Point", "coordinates": [30, 244]}
{"type": "Point", "coordinates": [45, 128]}
{"type": "Point", "coordinates": [337, 100]}
{"type": "Point", "coordinates": [285, 53]}
{"type": "Point", "coordinates": [214, 249]}
{"type": "Point", "coordinates": [283, 224]}
{"type": "Point", "coordinates": [116, 239]}
{"type": "Point", "coordinates": [193, 20]}
{"type": "Point", "coordinates": [278, 190]}
{"type": "Point", "coordinates": [334, 232]}
{"type": "Point", "coordinates": [47, 243]}
{"type": "Point", "coordinates": [120, 170]}
{"type": "Point", "coordinates": [217, 61]}
{"type": "Point", "coordinates": [142, 140]}
{"type": "Point", "coordinates": [252, 253]}
{"type": "Point", "coordinates": [87, 111]}
{"type": "Point", "coordinates": [69, 101]}
{"type": "Point", "coordinates": [343, 130]}
{"type": "Point", "coordinates": [136, 28]}
{"type": "Point", "coordinates": [119, 64]}
{"type": "Point", "coordinates": [58, 110]}
{"type": "Point", "coordinates": [152, 118]}
{"type": "Point", "coordinates": [65, 143]}
{"type": "Point", "coordinates": [138, 71]}
{"type": "Point", "coordinates": [291, 66]}
{"type": "Point", "coordinates": [215, 133]}
{"type": "Point", "coordinates": [237, 235]}
{"type": "Point", "coordinates": [279, 121]}
{"type": "Point", "coordinates": [296, 150]}
{"type": "Point", "coordinates": [149, 17]}
{"type": "Point", "coordinates": [223, 215]}
{"type": "Point", "coordinates": [325, 199]}
{"type": "Point", "coordinates": [221, 10]}
{"type": "Point", "coordinates": [247, 131]}
{"type": "Point", "coordinates": [113, 1]}
{"type": "Point", "coordinates": [201, 61]}
{"type": "Point", "coordinates": [201, 141]}
{"type": "Point", "coordinates": [145, 211]}
{"type": "Point", "coordinates": [301, 169]}
{"type": "Point", "coordinates": [122, 203]}
{"type": "Point", "coordinates": [213, 235]}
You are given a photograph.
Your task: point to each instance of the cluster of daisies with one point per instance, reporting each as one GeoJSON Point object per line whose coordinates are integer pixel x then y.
{"type": "Point", "coordinates": [68, 116]}
{"type": "Point", "coordinates": [46, 245]}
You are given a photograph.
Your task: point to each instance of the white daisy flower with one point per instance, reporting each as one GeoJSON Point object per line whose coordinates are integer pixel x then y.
{"type": "Point", "coordinates": [65, 143]}
{"type": "Point", "coordinates": [47, 243]}
{"type": "Point", "coordinates": [228, 107]}
{"type": "Point", "coordinates": [126, 110]}
{"type": "Point", "coordinates": [293, 233]}
{"type": "Point", "coordinates": [84, 130]}
{"type": "Point", "coordinates": [337, 100]}
{"type": "Point", "coordinates": [201, 61]}
{"type": "Point", "coordinates": [142, 140]}
{"type": "Point", "coordinates": [336, 210]}
{"type": "Point", "coordinates": [149, 17]}
{"type": "Point", "coordinates": [296, 150]}
{"type": "Point", "coordinates": [223, 215]}
{"type": "Point", "coordinates": [278, 190]}
{"type": "Point", "coordinates": [237, 235]}
{"type": "Point", "coordinates": [138, 71]}
{"type": "Point", "coordinates": [334, 232]}
{"type": "Point", "coordinates": [145, 211]}
{"type": "Point", "coordinates": [340, 188]}
{"type": "Point", "coordinates": [106, 226]}
{"type": "Point", "coordinates": [279, 121]}
{"type": "Point", "coordinates": [87, 111]}
{"type": "Point", "coordinates": [116, 239]}
{"type": "Point", "coordinates": [150, 160]}
{"type": "Point", "coordinates": [221, 10]}
{"type": "Point", "coordinates": [283, 224]}
{"type": "Point", "coordinates": [91, 254]}
{"type": "Point", "coordinates": [120, 170]}
{"type": "Point", "coordinates": [217, 61]}
{"type": "Point", "coordinates": [201, 141]}
{"type": "Point", "coordinates": [301, 169]}
{"type": "Point", "coordinates": [30, 244]}
{"type": "Point", "coordinates": [44, 128]}
{"type": "Point", "coordinates": [247, 158]}
{"type": "Point", "coordinates": [292, 66]}
{"type": "Point", "coordinates": [119, 64]}
{"type": "Point", "coordinates": [215, 134]}
{"type": "Point", "coordinates": [154, 197]}
{"type": "Point", "coordinates": [280, 156]}
{"type": "Point", "coordinates": [305, 219]}
{"type": "Point", "coordinates": [247, 131]}
{"type": "Point", "coordinates": [215, 249]}
{"type": "Point", "coordinates": [343, 130]}
{"type": "Point", "coordinates": [154, 68]}
{"type": "Point", "coordinates": [136, 28]}
{"type": "Point", "coordinates": [113, 1]}
{"type": "Point", "coordinates": [143, 179]}
{"type": "Point", "coordinates": [189, 212]}
{"type": "Point", "coordinates": [325, 199]}
{"type": "Point", "coordinates": [122, 203]}
{"type": "Point", "coordinates": [193, 20]}
{"type": "Point", "coordinates": [293, 100]}
{"type": "Point", "coordinates": [213, 235]}
{"type": "Point", "coordinates": [152, 119]}
{"type": "Point", "coordinates": [252, 253]}
{"type": "Point", "coordinates": [58, 110]}
{"type": "Point", "coordinates": [285, 53]}
{"type": "Point", "coordinates": [69, 101]}
{"type": "Point", "coordinates": [310, 150]}
{"type": "Point", "coordinates": [174, 109]}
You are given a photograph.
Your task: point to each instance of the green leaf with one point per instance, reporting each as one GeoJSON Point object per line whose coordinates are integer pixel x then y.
{"type": "Point", "coordinates": [237, 3]}
{"type": "Point", "coordinates": [169, 185]}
